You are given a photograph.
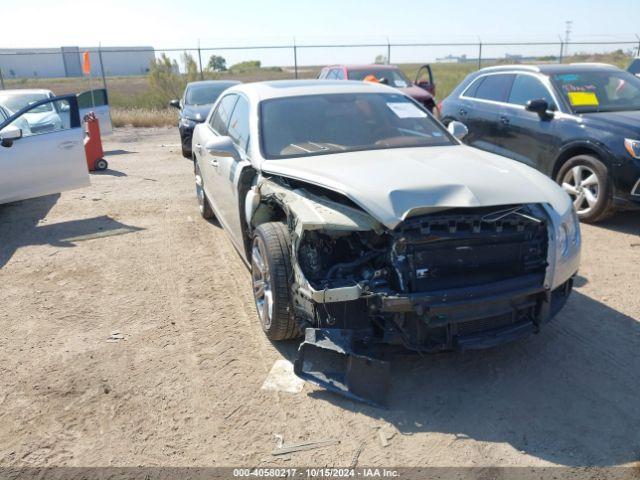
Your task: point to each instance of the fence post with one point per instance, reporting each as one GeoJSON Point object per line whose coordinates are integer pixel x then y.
{"type": "Point", "coordinates": [295, 59]}
{"type": "Point", "coordinates": [1, 79]}
{"type": "Point", "coordinates": [388, 51]}
{"type": "Point", "coordinates": [638, 37]}
{"type": "Point", "coordinates": [200, 61]}
{"type": "Point", "coordinates": [480, 55]}
{"type": "Point", "coordinates": [104, 78]}
{"type": "Point", "coordinates": [561, 52]}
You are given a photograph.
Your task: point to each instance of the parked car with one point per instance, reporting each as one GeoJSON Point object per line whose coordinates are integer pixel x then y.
{"type": "Point", "coordinates": [423, 90]}
{"type": "Point", "coordinates": [194, 107]}
{"type": "Point", "coordinates": [579, 124]}
{"type": "Point", "coordinates": [46, 118]}
{"type": "Point", "coordinates": [366, 223]}
{"type": "Point", "coordinates": [42, 162]}
{"type": "Point", "coordinates": [634, 67]}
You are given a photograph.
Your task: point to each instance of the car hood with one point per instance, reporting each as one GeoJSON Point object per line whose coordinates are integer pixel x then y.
{"type": "Point", "coordinates": [614, 120]}
{"type": "Point", "coordinates": [417, 93]}
{"type": "Point", "coordinates": [393, 184]}
{"type": "Point", "coordinates": [197, 113]}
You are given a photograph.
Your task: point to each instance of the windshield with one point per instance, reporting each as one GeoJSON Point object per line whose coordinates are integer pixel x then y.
{"type": "Point", "coordinates": [204, 94]}
{"type": "Point", "coordinates": [342, 122]}
{"type": "Point", "coordinates": [599, 90]}
{"type": "Point", "coordinates": [394, 77]}
{"type": "Point", "coordinates": [17, 102]}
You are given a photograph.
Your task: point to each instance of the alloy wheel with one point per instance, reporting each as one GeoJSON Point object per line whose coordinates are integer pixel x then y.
{"type": "Point", "coordinates": [262, 291]}
{"type": "Point", "coordinates": [583, 186]}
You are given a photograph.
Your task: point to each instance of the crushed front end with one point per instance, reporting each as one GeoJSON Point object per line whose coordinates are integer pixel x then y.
{"type": "Point", "coordinates": [460, 279]}
{"type": "Point", "coordinates": [450, 279]}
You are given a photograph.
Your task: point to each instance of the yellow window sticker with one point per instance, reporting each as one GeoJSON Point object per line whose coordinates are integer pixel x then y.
{"type": "Point", "coordinates": [583, 99]}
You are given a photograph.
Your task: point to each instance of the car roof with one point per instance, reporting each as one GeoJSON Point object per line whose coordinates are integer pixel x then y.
{"type": "Point", "coordinates": [373, 66]}
{"type": "Point", "coordinates": [26, 90]}
{"type": "Point", "coordinates": [294, 88]}
{"type": "Point", "coordinates": [550, 69]}
{"type": "Point", "coordinates": [214, 82]}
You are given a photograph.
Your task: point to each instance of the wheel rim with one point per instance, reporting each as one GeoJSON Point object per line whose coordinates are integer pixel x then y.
{"type": "Point", "coordinates": [583, 186]}
{"type": "Point", "coordinates": [199, 190]}
{"type": "Point", "coordinates": [262, 292]}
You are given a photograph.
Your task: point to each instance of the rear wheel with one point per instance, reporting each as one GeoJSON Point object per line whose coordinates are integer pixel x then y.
{"type": "Point", "coordinates": [586, 180]}
{"type": "Point", "coordinates": [203, 202]}
{"type": "Point", "coordinates": [271, 274]}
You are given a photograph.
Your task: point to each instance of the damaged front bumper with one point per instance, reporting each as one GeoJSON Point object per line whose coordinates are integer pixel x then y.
{"type": "Point", "coordinates": [355, 361]}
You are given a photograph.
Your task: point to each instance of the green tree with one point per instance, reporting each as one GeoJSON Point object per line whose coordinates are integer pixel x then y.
{"type": "Point", "coordinates": [217, 63]}
{"type": "Point", "coordinates": [165, 80]}
{"type": "Point", "coordinates": [190, 67]}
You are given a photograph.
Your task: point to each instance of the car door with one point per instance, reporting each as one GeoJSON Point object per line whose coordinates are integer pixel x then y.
{"type": "Point", "coordinates": [229, 169]}
{"type": "Point", "coordinates": [523, 135]}
{"type": "Point", "coordinates": [96, 101]}
{"type": "Point", "coordinates": [209, 163]}
{"type": "Point", "coordinates": [480, 107]}
{"type": "Point", "coordinates": [43, 163]}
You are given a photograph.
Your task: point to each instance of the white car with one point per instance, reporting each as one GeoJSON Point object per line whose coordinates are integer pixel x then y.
{"type": "Point", "coordinates": [42, 162]}
{"type": "Point", "coordinates": [369, 226]}
{"type": "Point", "coordinates": [47, 118]}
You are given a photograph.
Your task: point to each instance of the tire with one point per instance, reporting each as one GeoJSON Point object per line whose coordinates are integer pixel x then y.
{"type": "Point", "coordinates": [586, 179]}
{"type": "Point", "coordinates": [271, 275]}
{"type": "Point", "coordinates": [101, 164]}
{"type": "Point", "coordinates": [186, 153]}
{"type": "Point", "coordinates": [203, 202]}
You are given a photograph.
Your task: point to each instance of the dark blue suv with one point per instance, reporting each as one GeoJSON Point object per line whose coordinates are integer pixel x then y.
{"type": "Point", "coordinates": [579, 124]}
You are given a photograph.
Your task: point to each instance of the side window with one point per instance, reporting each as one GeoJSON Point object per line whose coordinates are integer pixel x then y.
{"type": "Point", "coordinates": [93, 98]}
{"type": "Point", "coordinates": [340, 74]}
{"type": "Point", "coordinates": [494, 87]}
{"type": "Point", "coordinates": [333, 74]}
{"type": "Point", "coordinates": [528, 87]}
{"type": "Point", "coordinates": [220, 118]}
{"type": "Point", "coordinates": [49, 117]}
{"type": "Point", "coordinates": [239, 124]}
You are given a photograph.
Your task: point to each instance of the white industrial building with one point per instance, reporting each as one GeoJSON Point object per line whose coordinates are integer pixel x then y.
{"type": "Point", "coordinates": [67, 61]}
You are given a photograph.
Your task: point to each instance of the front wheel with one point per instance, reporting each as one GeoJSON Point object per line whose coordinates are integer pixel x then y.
{"type": "Point", "coordinates": [271, 274]}
{"type": "Point", "coordinates": [586, 179]}
{"type": "Point", "coordinates": [203, 202]}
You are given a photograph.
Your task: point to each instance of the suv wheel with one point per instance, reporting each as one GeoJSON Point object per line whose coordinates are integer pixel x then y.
{"type": "Point", "coordinates": [586, 180]}
{"type": "Point", "coordinates": [271, 273]}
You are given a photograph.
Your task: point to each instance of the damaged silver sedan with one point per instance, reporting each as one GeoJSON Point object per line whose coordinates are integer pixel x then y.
{"type": "Point", "coordinates": [370, 229]}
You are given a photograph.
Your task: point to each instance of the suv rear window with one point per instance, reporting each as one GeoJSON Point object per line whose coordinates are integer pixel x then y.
{"type": "Point", "coordinates": [491, 87]}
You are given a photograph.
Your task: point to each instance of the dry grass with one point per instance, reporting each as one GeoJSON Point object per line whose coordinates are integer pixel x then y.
{"type": "Point", "coordinates": [143, 117]}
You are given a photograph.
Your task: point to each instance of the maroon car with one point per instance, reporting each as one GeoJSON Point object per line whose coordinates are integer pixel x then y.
{"type": "Point", "coordinates": [423, 89]}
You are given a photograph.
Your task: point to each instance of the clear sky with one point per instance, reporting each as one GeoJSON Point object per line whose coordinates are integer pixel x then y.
{"type": "Point", "coordinates": [171, 23]}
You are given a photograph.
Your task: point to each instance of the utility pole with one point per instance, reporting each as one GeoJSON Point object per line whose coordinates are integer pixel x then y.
{"type": "Point", "coordinates": [567, 36]}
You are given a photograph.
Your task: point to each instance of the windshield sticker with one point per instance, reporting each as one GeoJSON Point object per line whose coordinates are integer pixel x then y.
{"type": "Point", "coordinates": [567, 77]}
{"type": "Point", "coordinates": [400, 83]}
{"type": "Point", "coordinates": [406, 110]}
{"type": "Point", "coordinates": [583, 99]}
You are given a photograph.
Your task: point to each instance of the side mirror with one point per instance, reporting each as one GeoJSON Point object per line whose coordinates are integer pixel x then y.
{"type": "Point", "coordinates": [10, 134]}
{"type": "Point", "coordinates": [175, 104]}
{"type": "Point", "coordinates": [458, 129]}
{"type": "Point", "coordinates": [539, 106]}
{"type": "Point", "coordinates": [222, 147]}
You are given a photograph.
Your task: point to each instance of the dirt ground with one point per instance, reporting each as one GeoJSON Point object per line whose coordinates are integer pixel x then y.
{"type": "Point", "coordinates": [183, 387]}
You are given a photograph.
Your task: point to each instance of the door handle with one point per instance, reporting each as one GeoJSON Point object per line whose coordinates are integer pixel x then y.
{"type": "Point", "coordinates": [198, 147]}
{"type": "Point", "coordinates": [213, 162]}
{"type": "Point", "coordinates": [462, 111]}
{"type": "Point", "coordinates": [67, 145]}
{"type": "Point", "coordinates": [504, 120]}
